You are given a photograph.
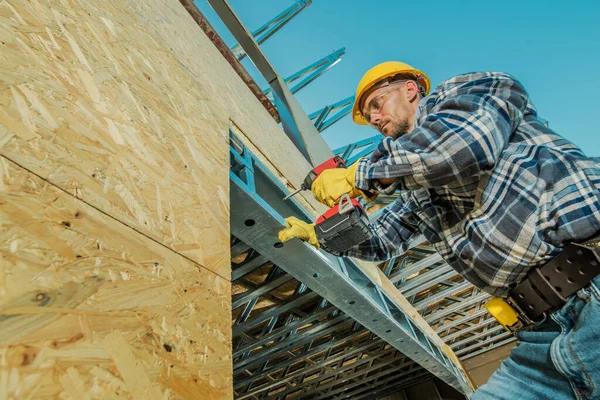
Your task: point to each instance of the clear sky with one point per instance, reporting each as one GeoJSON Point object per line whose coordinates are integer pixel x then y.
{"type": "Point", "coordinates": [552, 47]}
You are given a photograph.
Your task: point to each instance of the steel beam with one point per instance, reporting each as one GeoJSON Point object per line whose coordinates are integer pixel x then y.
{"type": "Point", "coordinates": [362, 374]}
{"type": "Point", "coordinates": [320, 328]}
{"type": "Point", "coordinates": [415, 267]}
{"type": "Point", "coordinates": [309, 74]}
{"type": "Point", "coordinates": [324, 361]}
{"type": "Point", "coordinates": [472, 352]}
{"type": "Point", "coordinates": [296, 124]}
{"type": "Point", "coordinates": [349, 372]}
{"type": "Point", "coordinates": [484, 323]}
{"type": "Point", "coordinates": [321, 118]}
{"type": "Point", "coordinates": [273, 312]}
{"type": "Point", "coordinates": [257, 292]}
{"type": "Point", "coordinates": [286, 329]}
{"type": "Point", "coordinates": [487, 344]}
{"type": "Point", "coordinates": [427, 279]}
{"type": "Point", "coordinates": [454, 288]}
{"type": "Point", "coordinates": [267, 352]}
{"type": "Point", "coordinates": [460, 321]}
{"type": "Point", "coordinates": [435, 318]}
{"type": "Point", "coordinates": [248, 267]}
{"type": "Point", "coordinates": [364, 147]}
{"type": "Point", "coordinates": [341, 281]}
{"type": "Point", "coordinates": [271, 27]}
{"type": "Point", "coordinates": [490, 333]}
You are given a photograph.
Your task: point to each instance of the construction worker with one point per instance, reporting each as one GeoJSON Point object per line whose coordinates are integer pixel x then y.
{"type": "Point", "coordinates": [507, 202]}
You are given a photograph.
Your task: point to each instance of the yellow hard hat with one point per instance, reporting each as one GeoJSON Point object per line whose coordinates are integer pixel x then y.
{"type": "Point", "coordinates": [378, 73]}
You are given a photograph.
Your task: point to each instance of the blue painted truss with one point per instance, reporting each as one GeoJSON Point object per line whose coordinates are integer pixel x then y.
{"type": "Point", "coordinates": [312, 72]}
{"type": "Point", "coordinates": [339, 110]}
{"type": "Point", "coordinates": [353, 151]}
{"type": "Point", "coordinates": [271, 27]}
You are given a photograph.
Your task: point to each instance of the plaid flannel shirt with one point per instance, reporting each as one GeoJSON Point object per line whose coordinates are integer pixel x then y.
{"type": "Point", "coordinates": [492, 189]}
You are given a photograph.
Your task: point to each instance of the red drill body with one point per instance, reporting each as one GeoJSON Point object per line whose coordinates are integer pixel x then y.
{"type": "Point", "coordinates": [334, 162]}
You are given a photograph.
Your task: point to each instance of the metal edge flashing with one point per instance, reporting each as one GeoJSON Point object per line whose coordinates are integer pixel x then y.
{"type": "Point", "coordinates": [230, 57]}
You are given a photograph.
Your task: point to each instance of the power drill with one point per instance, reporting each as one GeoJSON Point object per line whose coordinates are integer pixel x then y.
{"type": "Point", "coordinates": [334, 162]}
{"type": "Point", "coordinates": [342, 226]}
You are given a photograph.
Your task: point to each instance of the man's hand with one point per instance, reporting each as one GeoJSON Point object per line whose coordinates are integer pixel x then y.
{"type": "Point", "coordinates": [299, 229]}
{"type": "Point", "coordinates": [332, 184]}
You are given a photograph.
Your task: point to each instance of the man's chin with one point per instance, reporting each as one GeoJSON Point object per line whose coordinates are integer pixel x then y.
{"type": "Point", "coordinates": [394, 131]}
{"type": "Point", "coordinates": [391, 134]}
{"type": "Point", "coordinates": [387, 131]}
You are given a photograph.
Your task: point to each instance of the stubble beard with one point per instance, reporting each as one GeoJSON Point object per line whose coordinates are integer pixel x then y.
{"type": "Point", "coordinates": [399, 128]}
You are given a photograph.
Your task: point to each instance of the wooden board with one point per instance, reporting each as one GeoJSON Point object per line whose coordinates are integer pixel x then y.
{"type": "Point", "coordinates": [90, 308]}
{"type": "Point", "coordinates": [93, 100]}
{"type": "Point", "coordinates": [481, 367]}
{"type": "Point", "coordinates": [249, 119]}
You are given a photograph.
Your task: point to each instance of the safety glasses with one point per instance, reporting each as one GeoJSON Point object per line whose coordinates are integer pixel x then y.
{"type": "Point", "coordinates": [376, 103]}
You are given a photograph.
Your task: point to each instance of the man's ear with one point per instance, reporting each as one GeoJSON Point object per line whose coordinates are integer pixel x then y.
{"type": "Point", "coordinates": [412, 90]}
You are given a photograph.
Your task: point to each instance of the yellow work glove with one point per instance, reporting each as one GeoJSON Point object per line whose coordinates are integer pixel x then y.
{"type": "Point", "coordinates": [332, 184]}
{"type": "Point", "coordinates": [299, 229]}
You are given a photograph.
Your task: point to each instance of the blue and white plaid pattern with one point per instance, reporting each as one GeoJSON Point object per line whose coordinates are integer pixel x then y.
{"type": "Point", "coordinates": [494, 190]}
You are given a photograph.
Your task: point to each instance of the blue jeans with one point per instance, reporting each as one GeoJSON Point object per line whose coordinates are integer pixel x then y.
{"type": "Point", "coordinates": [557, 359]}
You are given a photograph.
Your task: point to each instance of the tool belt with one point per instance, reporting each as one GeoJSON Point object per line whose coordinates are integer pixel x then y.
{"type": "Point", "coordinates": [547, 288]}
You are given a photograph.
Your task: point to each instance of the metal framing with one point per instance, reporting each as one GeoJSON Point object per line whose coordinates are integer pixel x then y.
{"type": "Point", "coordinates": [452, 306]}
{"type": "Point", "coordinates": [309, 74]}
{"type": "Point", "coordinates": [321, 118]}
{"type": "Point", "coordinates": [296, 124]}
{"type": "Point", "coordinates": [306, 321]}
{"type": "Point", "coordinates": [272, 26]}
{"type": "Point", "coordinates": [353, 151]}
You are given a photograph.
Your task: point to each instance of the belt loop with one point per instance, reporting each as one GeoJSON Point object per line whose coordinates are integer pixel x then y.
{"type": "Point", "coordinates": [584, 294]}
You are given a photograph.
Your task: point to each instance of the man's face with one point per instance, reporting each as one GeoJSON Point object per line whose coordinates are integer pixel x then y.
{"type": "Point", "coordinates": [389, 111]}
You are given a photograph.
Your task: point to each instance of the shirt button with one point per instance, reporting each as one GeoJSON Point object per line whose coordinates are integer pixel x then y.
{"type": "Point", "coordinates": [464, 256]}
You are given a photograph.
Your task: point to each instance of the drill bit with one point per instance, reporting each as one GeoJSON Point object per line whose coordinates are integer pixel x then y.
{"type": "Point", "coordinates": [294, 193]}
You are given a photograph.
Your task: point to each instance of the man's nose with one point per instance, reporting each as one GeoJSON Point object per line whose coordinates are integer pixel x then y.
{"type": "Point", "coordinates": [374, 118]}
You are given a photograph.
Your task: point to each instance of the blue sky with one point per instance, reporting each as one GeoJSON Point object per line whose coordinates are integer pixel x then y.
{"type": "Point", "coordinates": [552, 47]}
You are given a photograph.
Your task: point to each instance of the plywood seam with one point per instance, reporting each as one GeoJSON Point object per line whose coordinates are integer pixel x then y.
{"type": "Point", "coordinates": [112, 217]}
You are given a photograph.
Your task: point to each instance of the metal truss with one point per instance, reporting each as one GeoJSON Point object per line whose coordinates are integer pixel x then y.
{"type": "Point", "coordinates": [296, 124]}
{"type": "Point", "coordinates": [289, 342]}
{"type": "Point", "coordinates": [452, 306]}
{"type": "Point", "coordinates": [352, 152]}
{"type": "Point", "coordinates": [321, 118]}
{"type": "Point", "coordinates": [271, 27]}
{"type": "Point", "coordinates": [306, 323]}
{"type": "Point", "coordinates": [312, 72]}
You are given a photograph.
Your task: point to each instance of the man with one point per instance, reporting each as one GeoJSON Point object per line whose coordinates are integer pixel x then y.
{"type": "Point", "coordinates": [500, 196]}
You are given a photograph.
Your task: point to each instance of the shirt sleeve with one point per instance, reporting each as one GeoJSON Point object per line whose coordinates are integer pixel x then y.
{"type": "Point", "coordinates": [391, 234]}
{"type": "Point", "coordinates": [462, 134]}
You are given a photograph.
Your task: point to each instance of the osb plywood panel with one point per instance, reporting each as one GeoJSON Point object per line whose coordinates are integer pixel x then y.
{"type": "Point", "coordinates": [92, 100]}
{"type": "Point", "coordinates": [91, 309]}
{"type": "Point", "coordinates": [171, 24]}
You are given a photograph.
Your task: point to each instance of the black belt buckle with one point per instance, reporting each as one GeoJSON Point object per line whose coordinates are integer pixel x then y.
{"type": "Point", "coordinates": [547, 288]}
